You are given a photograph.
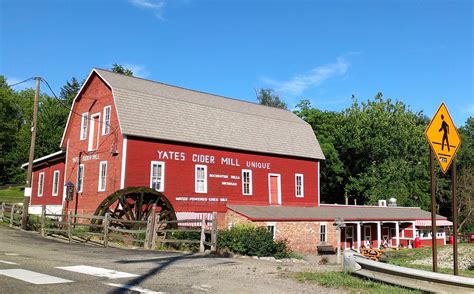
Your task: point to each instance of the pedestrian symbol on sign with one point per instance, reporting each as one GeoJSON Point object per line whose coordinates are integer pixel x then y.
{"type": "Point", "coordinates": [445, 129]}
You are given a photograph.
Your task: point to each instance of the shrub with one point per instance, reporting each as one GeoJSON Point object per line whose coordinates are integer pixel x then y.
{"type": "Point", "coordinates": [184, 235]}
{"type": "Point", "coordinates": [251, 240]}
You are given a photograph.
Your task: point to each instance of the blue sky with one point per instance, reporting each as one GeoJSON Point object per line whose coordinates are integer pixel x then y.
{"type": "Point", "coordinates": [418, 52]}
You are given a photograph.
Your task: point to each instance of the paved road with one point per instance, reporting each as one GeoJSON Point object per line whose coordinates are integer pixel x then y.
{"type": "Point", "coordinates": [30, 263]}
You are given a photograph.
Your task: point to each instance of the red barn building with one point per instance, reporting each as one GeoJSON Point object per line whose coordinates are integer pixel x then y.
{"type": "Point", "coordinates": [205, 153]}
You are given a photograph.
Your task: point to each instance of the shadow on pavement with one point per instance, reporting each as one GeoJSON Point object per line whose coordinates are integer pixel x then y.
{"type": "Point", "coordinates": [162, 263]}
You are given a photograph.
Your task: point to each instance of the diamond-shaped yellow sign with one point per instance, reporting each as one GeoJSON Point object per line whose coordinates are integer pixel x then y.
{"type": "Point", "coordinates": [443, 137]}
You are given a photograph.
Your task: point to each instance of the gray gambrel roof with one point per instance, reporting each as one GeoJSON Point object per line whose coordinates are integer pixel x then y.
{"type": "Point", "coordinates": [160, 111]}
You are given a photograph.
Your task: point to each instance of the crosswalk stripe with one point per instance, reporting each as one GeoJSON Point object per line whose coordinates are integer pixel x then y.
{"type": "Point", "coordinates": [97, 271]}
{"type": "Point", "coordinates": [32, 277]}
{"type": "Point", "coordinates": [8, 262]}
{"type": "Point", "coordinates": [11, 254]}
{"type": "Point", "coordinates": [133, 288]}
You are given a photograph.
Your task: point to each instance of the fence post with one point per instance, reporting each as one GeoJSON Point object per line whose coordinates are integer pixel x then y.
{"type": "Point", "coordinates": [154, 233]}
{"type": "Point", "coordinates": [12, 215]}
{"type": "Point", "coordinates": [214, 232]}
{"type": "Point", "coordinates": [43, 219]}
{"type": "Point", "coordinates": [203, 235]}
{"type": "Point", "coordinates": [2, 211]}
{"type": "Point", "coordinates": [106, 229]}
{"type": "Point", "coordinates": [69, 229]}
{"type": "Point", "coordinates": [150, 229]}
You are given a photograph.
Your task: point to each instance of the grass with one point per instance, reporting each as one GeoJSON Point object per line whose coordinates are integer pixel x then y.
{"type": "Point", "coordinates": [406, 257]}
{"type": "Point", "coordinates": [12, 195]}
{"type": "Point", "coordinates": [348, 282]}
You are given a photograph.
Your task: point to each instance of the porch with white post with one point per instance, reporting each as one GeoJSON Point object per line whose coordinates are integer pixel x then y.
{"type": "Point", "coordinates": [379, 234]}
{"type": "Point", "coordinates": [359, 243]}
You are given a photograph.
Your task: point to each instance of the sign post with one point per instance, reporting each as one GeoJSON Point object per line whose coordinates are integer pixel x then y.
{"type": "Point", "coordinates": [444, 141]}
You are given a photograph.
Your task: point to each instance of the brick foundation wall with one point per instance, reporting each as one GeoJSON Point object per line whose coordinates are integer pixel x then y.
{"type": "Point", "coordinates": [302, 237]}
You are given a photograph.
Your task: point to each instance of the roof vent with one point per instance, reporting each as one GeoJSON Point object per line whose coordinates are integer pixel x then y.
{"type": "Point", "coordinates": [382, 203]}
{"type": "Point", "coordinates": [392, 202]}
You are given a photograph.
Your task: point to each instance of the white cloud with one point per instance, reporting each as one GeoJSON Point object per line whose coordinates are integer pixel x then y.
{"type": "Point", "coordinates": [156, 6]}
{"type": "Point", "coordinates": [138, 70]}
{"type": "Point", "coordinates": [299, 83]}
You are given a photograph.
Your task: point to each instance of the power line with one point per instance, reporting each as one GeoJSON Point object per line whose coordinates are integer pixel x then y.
{"type": "Point", "coordinates": [13, 85]}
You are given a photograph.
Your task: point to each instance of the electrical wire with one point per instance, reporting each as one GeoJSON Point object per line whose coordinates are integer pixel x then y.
{"type": "Point", "coordinates": [13, 85]}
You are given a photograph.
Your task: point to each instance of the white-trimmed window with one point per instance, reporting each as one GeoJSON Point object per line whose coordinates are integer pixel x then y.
{"type": "Point", "coordinates": [201, 179]}
{"type": "Point", "coordinates": [272, 228]}
{"type": "Point", "coordinates": [80, 178]}
{"type": "Point", "coordinates": [55, 183]}
{"type": "Point", "coordinates": [323, 232]}
{"type": "Point", "coordinates": [102, 175]}
{"type": "Point", "coordinates": [299, 185]}
{"type": "Point", "coordinates": [247, 182]}
{"type": "Point", "coordinates": [40, 184]}
{"type": "Point", "coordinates": [106, 122]}
{"type": "Point", "coordinates": [157, 176]}
{"type": "Point", "coordinates": [84, 122]}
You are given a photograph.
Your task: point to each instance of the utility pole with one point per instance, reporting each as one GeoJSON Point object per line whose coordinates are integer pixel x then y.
{"type": "Point", "coordinates": [26, 200]}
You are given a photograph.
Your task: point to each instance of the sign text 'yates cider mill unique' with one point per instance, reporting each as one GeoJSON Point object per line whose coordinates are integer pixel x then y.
{"type": "Point", "coordinates": [210, 159]}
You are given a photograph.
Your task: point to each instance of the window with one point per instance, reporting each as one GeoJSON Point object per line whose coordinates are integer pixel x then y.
{"type": "Point", "coordinates": [157, 176]}
{"type": "Point", "coordinates": [299, 185]}
{"type": "Point", "coordinates": [102, 175]}
{"type": "Point", "coordinates": [106, 123]}
{"type": "Point", "coordinates": [55, 182]}
{"type": "Point", "coordinates": [272, 228]}
{"type": "Point", "coordinates": [201, 179]}
{"type": "Point", "coordinates": [85, 118]}
{"type": "Point", "coordinates": [246, 182]}
{"type": "Point", "coordinates": [80, 178]}
{"type": "Point", "coordinates": [40, 184]}
{"type": "Point", "coordinates": [323, 233]}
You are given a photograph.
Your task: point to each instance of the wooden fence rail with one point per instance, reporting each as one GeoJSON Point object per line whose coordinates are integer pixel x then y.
{"type": "Point", "coordinates": [11, 213]}
{"type": "Point", "coordinates": [150, 233]}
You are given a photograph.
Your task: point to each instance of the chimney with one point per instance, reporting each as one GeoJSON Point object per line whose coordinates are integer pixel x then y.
{"type": "Point", "coordinates": [392, 202]}
{"type": "Point", "coordinates": [382, 203]}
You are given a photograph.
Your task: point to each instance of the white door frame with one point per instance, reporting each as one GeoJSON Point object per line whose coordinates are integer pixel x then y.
{"type": "Point", "coordinates": [270, 190]}
{"type": "Point", "coordinates": [351, 236]}
{"type": "Point", "coordinates": [92, 122]}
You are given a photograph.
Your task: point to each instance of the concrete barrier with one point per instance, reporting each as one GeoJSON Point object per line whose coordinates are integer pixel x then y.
{"type": "Point", "coordinates": [407, 277]}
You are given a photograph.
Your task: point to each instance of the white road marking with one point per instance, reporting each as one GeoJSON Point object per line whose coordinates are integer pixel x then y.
{"type": "Point", "coordinates": [32, 277]}
{"type": "Point", "coordinates": [12, 254]}
{"type": "Point", "coordinates": [8, 262]}
{"type": "Point", "coordinates": [133, 288]}
{"type": "Point", "coordinates": [97, 271]}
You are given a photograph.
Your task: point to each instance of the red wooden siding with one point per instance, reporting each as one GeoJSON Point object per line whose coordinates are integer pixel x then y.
{"type": "Point", "coordinates": [48, 197]}
{"type": "Point", "coordinates": [95, 96]}
{"type": "Point", "coordinates": [180, 164]}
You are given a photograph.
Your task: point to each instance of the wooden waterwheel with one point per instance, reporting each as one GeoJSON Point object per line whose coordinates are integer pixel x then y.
{"type": "Point", "coordinates": [136, 204]}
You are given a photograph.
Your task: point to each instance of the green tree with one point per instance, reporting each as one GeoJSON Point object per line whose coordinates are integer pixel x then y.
{"type": "Point", "coordinates": [70, 90]}
{"type": "Point", "coordinates": [10, 124]}
{"type": "Point", "coordinates": [385, 152]}
{"type": "Point", "coordinates": [269, 98]}
{"type": "Point", "coordinates": [122, 70]}
{"type": "Point", "coordinates": [325, 125]}
{"type": "Point", "coordinates": [374, 150]}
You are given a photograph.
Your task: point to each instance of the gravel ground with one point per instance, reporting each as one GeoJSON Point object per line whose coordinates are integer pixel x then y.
{"type": "Point", "coordinates": [445, 258]}
{"type": "Point", "coordinates": [247, 275]}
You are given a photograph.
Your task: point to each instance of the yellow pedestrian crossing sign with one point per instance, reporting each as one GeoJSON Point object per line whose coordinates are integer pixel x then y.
{"type": "Point", "coordinates": [443, 137]}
